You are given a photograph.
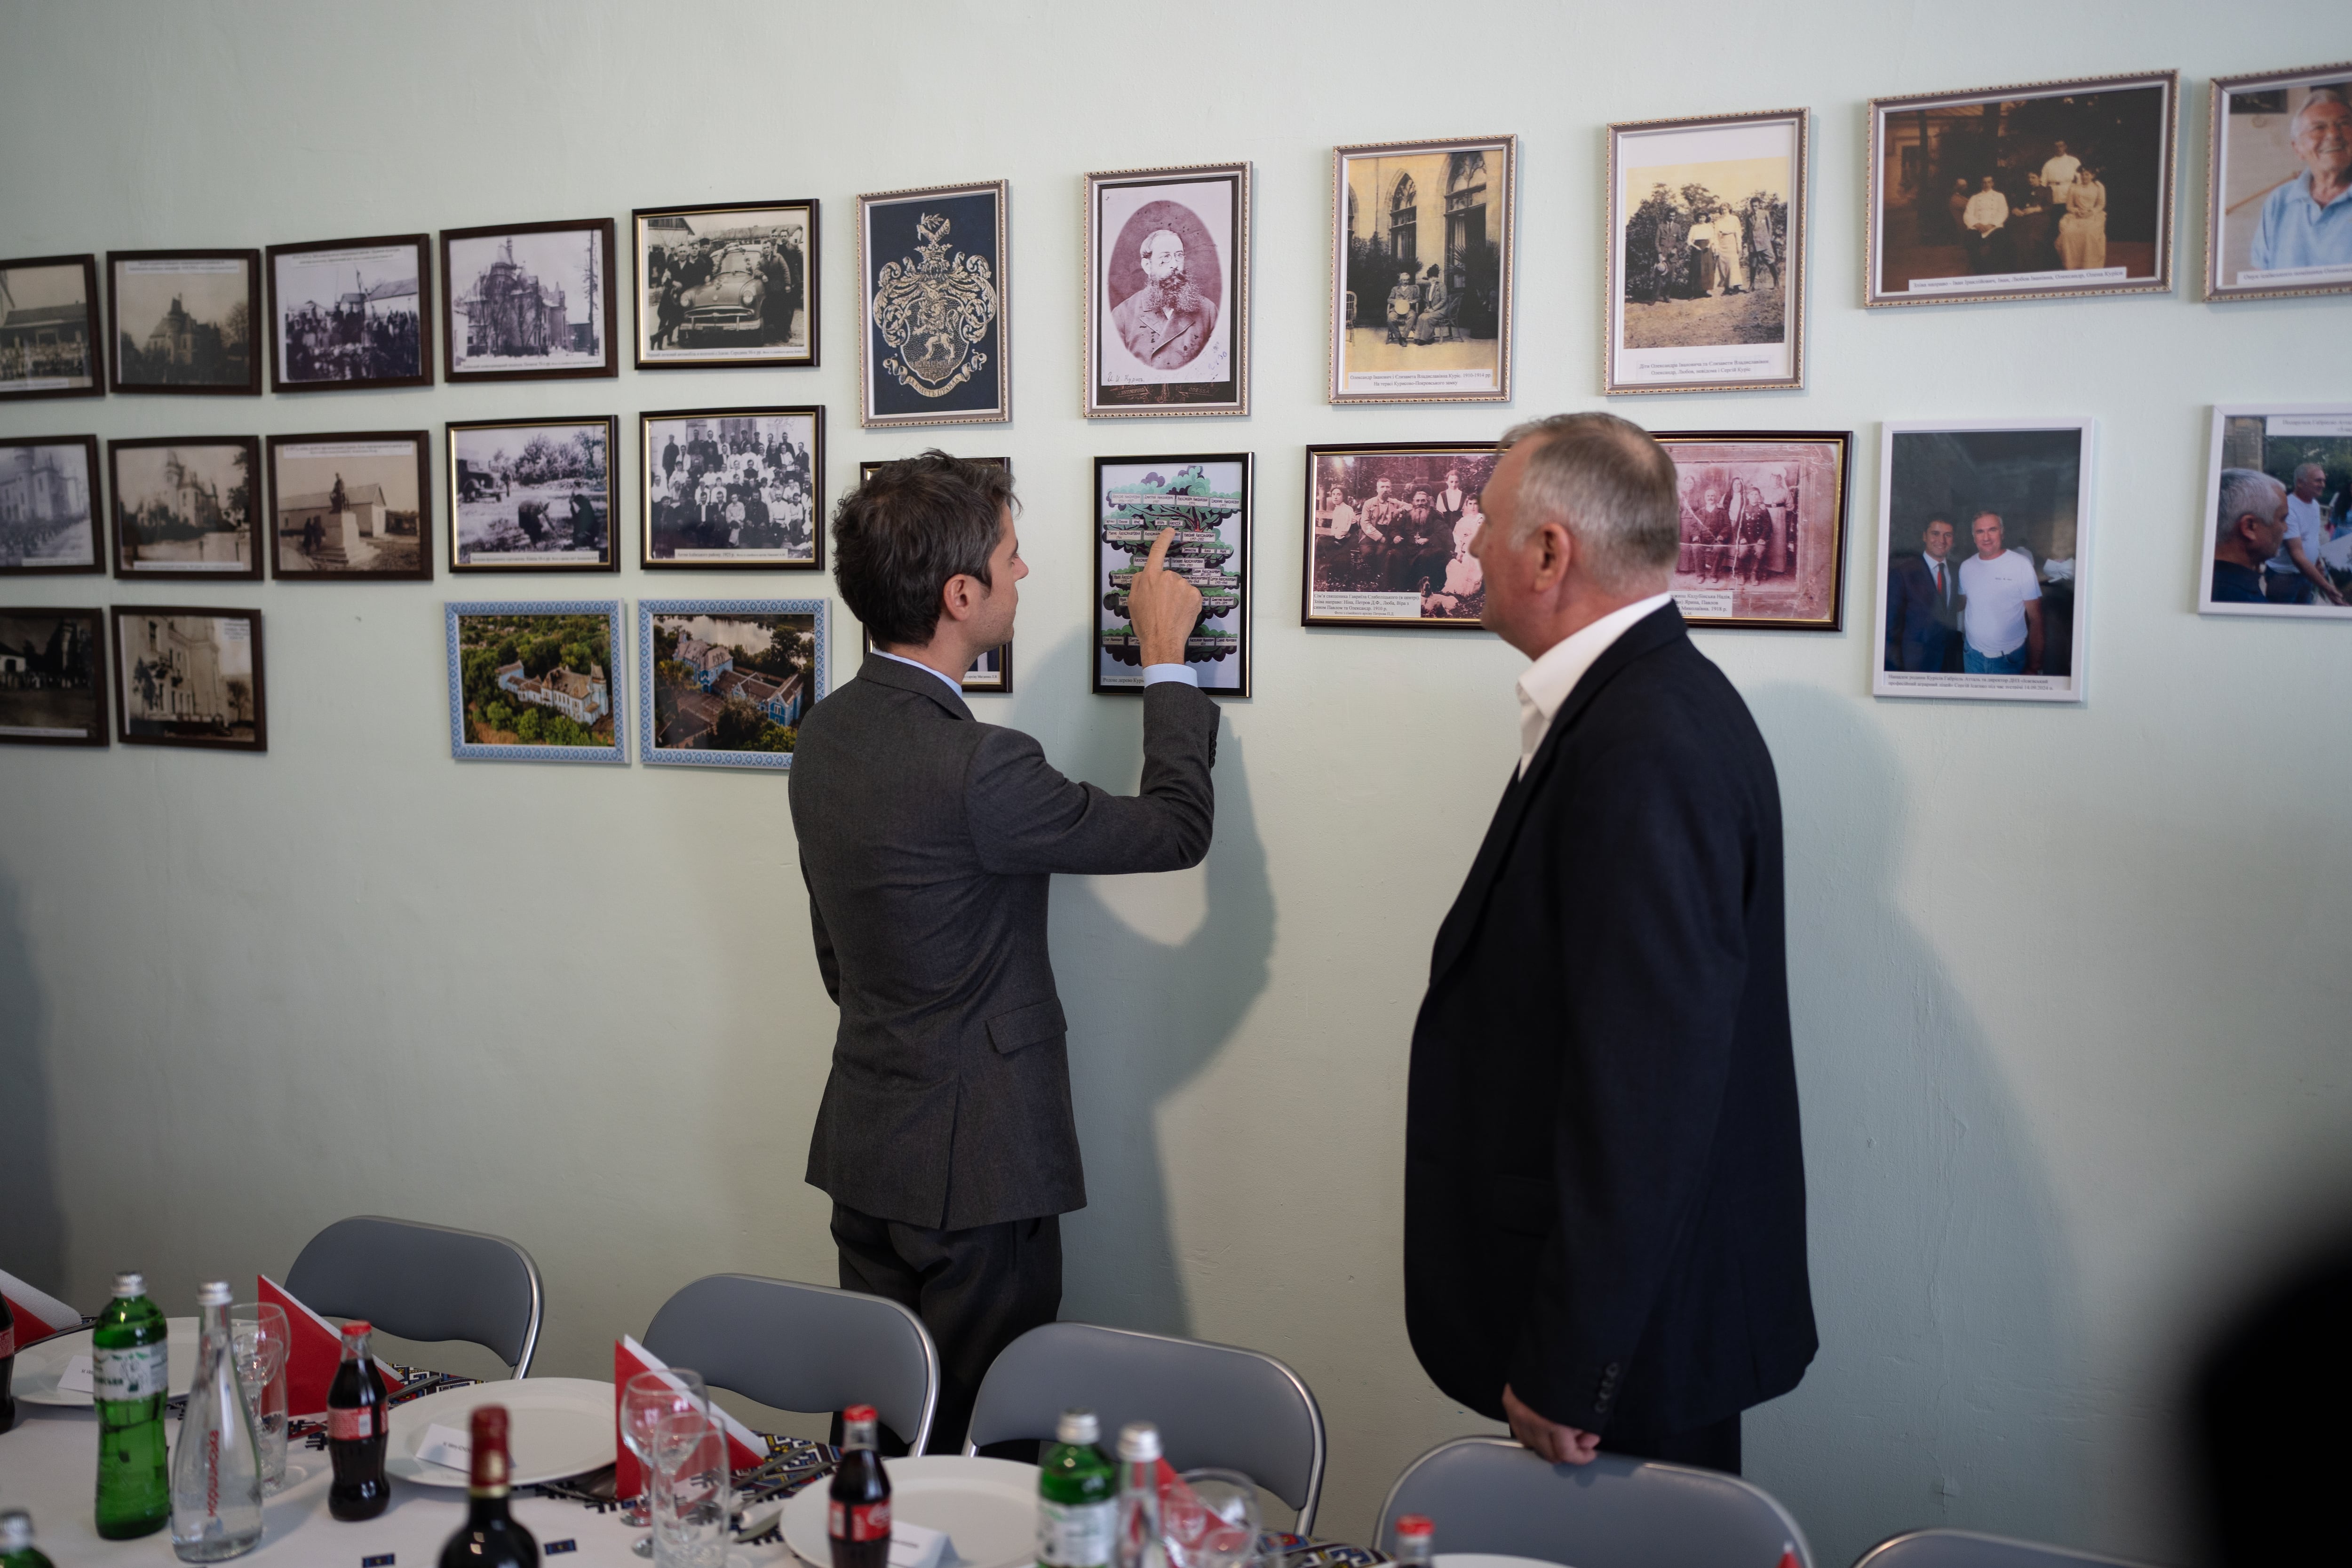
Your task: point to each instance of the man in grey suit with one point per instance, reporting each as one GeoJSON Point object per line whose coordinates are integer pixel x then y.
{"type": "Point", "coordinates": [946, 1138]}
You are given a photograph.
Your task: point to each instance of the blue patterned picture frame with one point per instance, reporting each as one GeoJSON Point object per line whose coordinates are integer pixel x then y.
{"type": "Point", "coordinates": [712, 672]}
{"type": "Point", "coordinates": [537, 691]}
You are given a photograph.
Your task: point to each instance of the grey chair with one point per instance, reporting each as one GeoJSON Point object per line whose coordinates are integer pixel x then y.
{"type": "Point", "coordinates": [807, 1348]}
{"type": "Point", "coordinates": [1490, 1495]}
{"type": "Point", "coordinates": [425, 1282]}
{"type": "Point", "coordinates": [1967, 1549]}
{"type": "Point", "coordinates": [1214, 1405]}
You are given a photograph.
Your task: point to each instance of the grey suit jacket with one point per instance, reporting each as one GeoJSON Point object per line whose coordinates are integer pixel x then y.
{"type": "Point", "coordinates": [927, 841]}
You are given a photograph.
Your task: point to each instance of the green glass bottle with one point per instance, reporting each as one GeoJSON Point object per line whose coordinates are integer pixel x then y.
{"type": "Point", "coordinates": [1078, 1496]}
{"type": "Point", "coordinates": [130, 1366]}
{"type": "Point", "coordinates": [16, 1548]}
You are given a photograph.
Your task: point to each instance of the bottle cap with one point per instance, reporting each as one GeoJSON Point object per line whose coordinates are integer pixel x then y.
{"type": "Point", "coordinates": [1078, 1426]}
{"type": "Point", "coordinates": [860, 1413]}
{"type": "Point", "coordinates": [1139, 1442]}
{"type": "Point", "coordinates": [215, 1293]}
{"type": "Point", "coordinates": [16, 1530]}
{"type": "Point", "coordinates": [129, 1284]}
{"type": "Point", "coordinates": [490, 1464]}
{"type": "Point", "coordinates": [358, 1326]}
{"type": "Point", "coordinates": [1414, 1524]}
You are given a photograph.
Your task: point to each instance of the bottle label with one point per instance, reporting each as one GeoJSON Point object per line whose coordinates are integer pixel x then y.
{"type": "Point", "coordinates": [350, 1425]}
{"type": "Point", "coordinates": [861, 1521]}
{"type": "Point", "coordinates": [1075, 1534]}
{"type": "Point", "coordinates": [133, 1372]}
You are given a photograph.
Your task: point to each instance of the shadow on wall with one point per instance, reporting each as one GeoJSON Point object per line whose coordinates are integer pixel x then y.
{"type": "Point", "coordinates": [32, 1223]}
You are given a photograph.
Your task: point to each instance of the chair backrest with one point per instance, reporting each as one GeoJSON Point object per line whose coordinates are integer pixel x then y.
{"type": "Point", "coordinates": [807, 1348]}
{"type": "Point", "coordinates": [1490, 1495]}
{"type": "Point", "coordinates": [425, 1282]}
{"type": "Point", "coordinates": [1967, 1549]}
{"type": "Point", "coordinates": [1214, 1405]}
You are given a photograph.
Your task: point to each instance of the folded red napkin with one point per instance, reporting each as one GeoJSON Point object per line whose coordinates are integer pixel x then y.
{"type": "Point", "coordinates": [314, 1348]}
{"type": "Point", "coordinates": [38, 1314]}
{"type": "Point", "coordinates": [744, 1447]}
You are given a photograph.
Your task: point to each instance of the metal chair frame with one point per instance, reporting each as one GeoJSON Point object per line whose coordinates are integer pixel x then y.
{"type": "Point", "coordinates": [521, 1367]}
{"type": "Point", "coordinates": [2000, 1551]}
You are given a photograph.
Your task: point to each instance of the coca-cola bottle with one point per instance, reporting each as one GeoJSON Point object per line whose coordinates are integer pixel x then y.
{"type": "Point", "coordinates": [355, 1434]}
{"type": "Point", "coordinates": [1414, 1535]}
{"type": "Point", "coordinates": [491, 1537]}
{"type": "Point", "coordinates": [859, 1519]}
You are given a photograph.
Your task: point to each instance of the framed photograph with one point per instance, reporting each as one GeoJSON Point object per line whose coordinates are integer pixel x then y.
{"type": "Point", "coordinates": [732, 488]}
{"type": "Point", "coordinates": [1206, 499]}
{"type": "Point", "coordinates": [189, 676]}
{"type": "Point", "coordinates": [183, 321]}
{"type": "Point", "coordinates": [1984, 548]}
{"type": "Point", "coordinates": [992, 671]}
{"type": "Point", "coordinates": [1763, 528]}
{"type": "Point", "coordinates": [355, 508]}
{"type": "Point", "coordinates": [48, 328]}
{"type": "Point", "coordinates": [721, 287]}
{"type": "Point", "coordinates": [350, 313]}
{"type": "Point", "coordinates": [1707, 258]}
{"type": "Point", "coordinates": [50, 506]}
{"type": "Point", "coordinates": [2278, 513]}
{"type": "Point", "coordinates": [532, 495]}
{"type": "Point", "coordinates": [2039, 192]}
{"type": "Point", "coordinates": [183, 506]}
{"type": "Point", "coordinates": [1389, 530]}
{"type": "Point", "coordinates": [2278, 166]}
{"type": "Point", "coordinates": [1166, 325]}
{"type": "Point", "coordinates": [935, 324]}
{"type": "Point", "coordinates": [722, 683]}
{"type": "Point", "coordinates": [531, 301]}
{"type": "Point", "coordinates": [1422, 234]}
{"type": "Point", "coordinates": [531, 681]}
{"type": "Point", "coordinates": [52, 676]}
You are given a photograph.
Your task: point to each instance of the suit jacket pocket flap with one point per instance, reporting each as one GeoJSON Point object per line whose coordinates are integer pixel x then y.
{"type": "Point", "coordinates": [1027, 1025]}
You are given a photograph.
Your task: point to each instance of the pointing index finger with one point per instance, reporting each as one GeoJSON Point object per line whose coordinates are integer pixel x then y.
{"type": "Point", "coordinates": [1160, 550]}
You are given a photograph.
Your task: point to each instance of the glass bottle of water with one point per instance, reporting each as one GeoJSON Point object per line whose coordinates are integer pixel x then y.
{"type": "Point", "coordinates": [216, 1470]}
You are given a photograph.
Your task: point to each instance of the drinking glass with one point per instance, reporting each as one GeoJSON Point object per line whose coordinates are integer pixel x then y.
{"type": "Point", "coordinates": [645, 1398]}
{"type": "Point", "coordinates": [1219, 1527]}
{"type": "Point", "coordinates": [258, 1335]}
{"type": "Point", "coordinates": [693, 1493]}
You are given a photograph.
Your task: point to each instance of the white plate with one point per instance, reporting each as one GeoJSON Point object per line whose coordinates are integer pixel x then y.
{"type": "Point", "coordinates": [1485, 1560]}
{"type": "Point", "coordinates": [38, 1366]}
{"type": "Point", "coordinates": [556, 1426]}
{"type": "Point", "coordinates": [987, 1507]}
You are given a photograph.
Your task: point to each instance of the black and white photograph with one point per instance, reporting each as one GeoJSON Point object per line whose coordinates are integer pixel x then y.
{"type": "Point", "coordinates": [529, 301]}
{"type": "Point", "coordinates": [727, 286]}
{"type": "Point", "coordinates": [50, 506]}
{"type": "Point", "coordinates": [1763, 528]}
{"type": "Point", "coordinates": [48, 328]}
{"type": "Point", "coordinates": [1205, 498]}
{"type": "Point", "coordinates": [1167, 316]}
{"type": "Point", "coordinates": [2278, 196]}
{"type": "Point", "coordinates": [189, 676]}
{"type": "Point", "coordinates": [2278, 513]}
{"type": "Point", "coordinates": [1389, 529]}
{"type": "Point", "coordinates": [724, 683]}
{"type": "Point", "coordinates": [183, 506]}
{"type": "Point", "coordinates": [183, 322]}
{"type": "Point", "coordinates": [935, 311]}
{"type": "Point", "coordinates": [732, 488]}
{"type": "Point", "coordinates": [351, 508]}
{"type": "Point", "coordinates": [1984, 558]}
{"type": "Point", "coordinates": [992, 671]}
{"type": "Point", "coordinates": [351, 313]}
{"type": "Point", "coordinates": [52, 676]}
{"type": "Point", "coordinates": [531, 495]}
{"type": "Point", "coordinates": [1423, 237]}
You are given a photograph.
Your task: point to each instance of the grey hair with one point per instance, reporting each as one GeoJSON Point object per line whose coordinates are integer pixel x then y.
{"type": "Point", "coordinates": [2302, 468]}
{"type": "Point", "coordinates": [2247, 492]}
{"type": "Point", "coordinates": [1609, 485]}
{"type": "Point", "coordinates": [2334, 95]}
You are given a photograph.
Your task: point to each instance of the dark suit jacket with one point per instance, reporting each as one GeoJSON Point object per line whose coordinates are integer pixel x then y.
{"type": "Point", "coordinates": [1920, 627]}
{"type": "Point", "coordinates": [1604, 1187]}
{"type": "Point", "coordinates": [928, 840]}
{"type": "Point", "coordinates": [1165, 342]}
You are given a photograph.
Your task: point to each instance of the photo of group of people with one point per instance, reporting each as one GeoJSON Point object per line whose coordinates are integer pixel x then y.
{"type": "Point", "coordinates": [531, 495]}
{"type": "Point", "coordinates": [48, 328]}
{"type": "Point", "coordinates": [2279, 512]}
{"type": "Point", "coordinates": [1391, 532]}
{"type": "Point", "coordinates": [726, 286]}
{"type": "Point", "coordinates": [351, 314]}
{"type": "Point", "coordinates": [734, 487]}
{"type": "Point", "coordinates": [1425, 258]}
{"type": "Point", "coordinates": [1763, 525]}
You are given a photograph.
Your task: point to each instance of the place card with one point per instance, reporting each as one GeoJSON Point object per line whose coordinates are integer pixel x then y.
{"type": "Point", "coordinates": [78, 1377]}
{"type": "Point", "coordinates": [446, 1447]}
{"type": "Point", "coordinates": [912, 1546]}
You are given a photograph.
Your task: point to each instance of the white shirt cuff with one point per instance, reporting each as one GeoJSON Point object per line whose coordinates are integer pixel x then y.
{"type": "Point", "coordinates": [1153, 674]}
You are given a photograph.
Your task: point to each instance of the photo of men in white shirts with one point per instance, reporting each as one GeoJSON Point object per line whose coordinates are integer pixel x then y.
{"type": "Point", "coordinates": [2001, 619]}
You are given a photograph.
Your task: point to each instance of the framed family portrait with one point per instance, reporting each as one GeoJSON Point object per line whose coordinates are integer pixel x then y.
{"type": "Point", "coordinates": [732, 488]}
{"type": "Point", "coordinates": [48, 328]}
{"type": "Point", "coordinates": [183, 506]}
{"type": "Point", "coordinates": [531, 495]}
{"type": "Point", "coordinates": [1763, 528]}
{"type": "Point", "coordinates": [1166, 326]}
{"type": "Point", "coordinates": [1422, 234]}
{"type": "Point", "coordinates": [352, 509]}
{"type": "Point", "coordinates": [1205, 498]}
{"type": "Point", "coordinates": [2278, 194]}
{"type": "Point", "coordinates": [52, 676]}
{"type": "Point", "coordinates": [726, 286]}
{"type": "Point", "coordinates": [2044, 191]}
{"type": "Point", "coordinates": [1388, 531]}
{"type": "Point", "coordinates": [1984, 552]}
{"type": "Point", "coordinates": [351, 313]}
{"type": "Point", "coordinates": [531, 301]}
{"type": "Point", "coordinates": [935, 327]}
{"type": "Point", "coordinates": [2278, 513]}
{"type": "Point", "coordinates": [992, 670]}
{"type": "Point", "coordinates": [189, 676]}
{"type": "Point", "coordinates": [1706, 288]}
{"type": "Point", "coordinates": [722, 683]}
{"type": "Point", "coordinates": [50, 506]}
{"type": "Point", "coordinates": [183, 321]}
{"type": "Point", "coordinates": [531, 681]}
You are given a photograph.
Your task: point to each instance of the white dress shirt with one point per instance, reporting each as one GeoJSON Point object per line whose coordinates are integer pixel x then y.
{"type": "Point", "coordinates": [1987, 209]}
{"type": "Point", "coordinates": [1549, 680]}
{"type": "Point", "coordinates": [1153, 674]}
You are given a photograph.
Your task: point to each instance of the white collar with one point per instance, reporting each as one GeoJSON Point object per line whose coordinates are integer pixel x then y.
{"type": "Point", "coordinates": [1547, 682]}
{"type": "Point", "coordinates": [956, 687]}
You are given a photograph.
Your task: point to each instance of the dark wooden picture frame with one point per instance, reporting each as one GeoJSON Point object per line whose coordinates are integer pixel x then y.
{"type": "Point", "coordinates": [36, 316]}
{"type": "Point", "coordinates": [810, 265]}
{"type": "Point", "coordinates": [648, 463]}
{"type": "Point", "coordinates": [376, 524]}
{"type": "Point", "coordinates": [1170, 470]}
{"type": "Point", "coordinates": [1313, 534]}
{"type": "Point", "coordinates": [462, 478]}
{"type": "Point", "coordinates": [12, 661]}
{"type": "Point", "coordinates": [248, 387]}
{"type": "Point", "coordinates": [456, 357]}
{"type": "Point", "coordinates": [422, 245]}
{"type": "Point", "coordinates": [94, 504]}
{"type": "Point", "coordinates": [999, 684]}
{"type": "Point", "coordinates": [201, 691]}
{"type": "Point", "coordinates": [1778, 534]}
{"type": "Point", "coordinates": [120, 530]}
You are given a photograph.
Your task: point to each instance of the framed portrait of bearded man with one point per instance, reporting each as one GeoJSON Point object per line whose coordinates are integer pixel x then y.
{"type": "Point", "coordinates": [935, 324]}
{"type": "Point", "coordinates": [1167, 313]}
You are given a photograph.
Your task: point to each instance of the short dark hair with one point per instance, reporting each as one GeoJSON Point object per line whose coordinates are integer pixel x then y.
{"type": "Point", "coordinates": [899, 537]}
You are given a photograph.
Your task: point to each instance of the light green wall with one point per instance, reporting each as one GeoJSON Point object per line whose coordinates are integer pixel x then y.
{"type": "Point", "coordinates": [2070, 988]}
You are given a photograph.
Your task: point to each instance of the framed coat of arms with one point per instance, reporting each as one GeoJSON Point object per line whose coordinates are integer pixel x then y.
{"type": "Point", "coordinates": [935, 330]}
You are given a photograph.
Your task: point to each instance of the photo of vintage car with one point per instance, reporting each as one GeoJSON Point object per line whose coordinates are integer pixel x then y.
{"type": "Point", "coordinates": [726, 286]}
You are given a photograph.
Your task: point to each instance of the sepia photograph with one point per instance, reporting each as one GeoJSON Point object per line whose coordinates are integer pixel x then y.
{"type": "Point", "coordinates": [2278, 195]}
{"type": "Point", "coordinates": [992, 670]}
{"type": "Point", "coordinates": [727, 286]}
{"type": "Point", "coordinates": [1706, 285]}
{"type": "Point", "coordinates": [1167, 316]}
{"type": "Point", "coordinates": [531, 681]}
{"type": "Point", "coordinates": [723, 682]}
{"type": "Point", "coordinates": [183, 506]}
{"type": "Point", "coordinates": [1206, 499]}
{"type": "Point", "coordinates": [52, 676]}
{"type": "Point", "coordinates": [49, 505]}
{"type": "Point", "coordinates": [935, 327]}
{"type": "Point", "coordinates": [531, 495]}
{"type": "Point", "coordinates": [351, 508]}
{"type": "Point", "coordinates": [2022, 193]}
{"type": "Point", "coordinates": [1984, 549]}
{"type": "Point", "coordinates": [1763, 528]}
{"type": "Point", "coordinates": [187, 677]}
{"type": "Point", "coordinates": [1423, 237]}
{"type": "Point", "coordinates": [1390, 529]}
{"type": "Point", "coordinates": [732, 488]}
{"type": "Point", "coordinates": [48, 328]}
{"type": "Point", "coordinates": [2278, 513]}
{"type": "Point", "coordinates": [183, 321]}
{"type": "Point", "coordinates": [351, 313]}
{"type": "Point", "coordinates": [529, 301]}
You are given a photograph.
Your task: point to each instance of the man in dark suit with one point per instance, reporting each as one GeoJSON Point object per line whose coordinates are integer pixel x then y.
{"type": "Point", "coordinates": [1166, 322]}
{"type": "Point", "coordinates": [1605, 1186]}
{"type": "Point", "coordinates": [1923, 603]}
{"type": "Point", "coordinates": [928, 841]}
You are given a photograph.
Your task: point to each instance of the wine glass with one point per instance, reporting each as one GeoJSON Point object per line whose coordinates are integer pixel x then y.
{"type": "Point", "coordinates": [1219, 1527]}
{"type": "Point", "coordinates": [645, 1399]}
{"type": "Point", "coordinates": [258, 1343]}
{"type": "Point", "coordinates": [693, 1493]}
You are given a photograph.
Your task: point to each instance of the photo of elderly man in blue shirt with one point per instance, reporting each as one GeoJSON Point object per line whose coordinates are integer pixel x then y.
{"type": "Point", "coordinates": [2308, 221]}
